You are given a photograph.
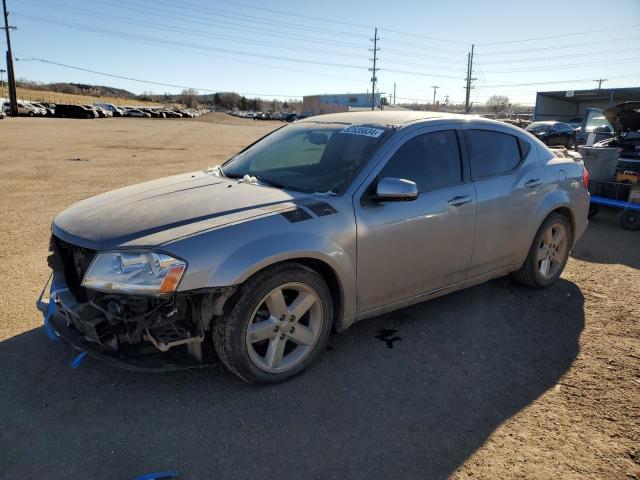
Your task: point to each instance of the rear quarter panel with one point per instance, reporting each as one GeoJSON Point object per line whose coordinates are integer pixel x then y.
{"type": "Point", "coordinates": [564, 188]}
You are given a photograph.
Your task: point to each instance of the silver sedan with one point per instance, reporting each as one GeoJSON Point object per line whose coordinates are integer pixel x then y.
{"type": "Point", "coordinates": [322, 223]}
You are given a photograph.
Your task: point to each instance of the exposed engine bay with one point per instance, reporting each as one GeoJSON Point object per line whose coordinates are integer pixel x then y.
{"type": "Point", "coordinates": [112, 322]}
{"type": "Point", "coordinates": [628, 142]}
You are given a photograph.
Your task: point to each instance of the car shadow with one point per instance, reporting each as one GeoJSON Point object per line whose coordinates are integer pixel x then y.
{"type": "Point", "coordinates": [459, 367]}
{"type": "Point", "coordinates": [606, 242]}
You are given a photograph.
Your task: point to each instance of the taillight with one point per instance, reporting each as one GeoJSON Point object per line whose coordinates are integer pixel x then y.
{"type": "Point", "coordinates": [585, 177]}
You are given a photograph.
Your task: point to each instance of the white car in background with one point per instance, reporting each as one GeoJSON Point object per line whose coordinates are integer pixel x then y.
{"type": "Point", "coordinates": [24, 108]}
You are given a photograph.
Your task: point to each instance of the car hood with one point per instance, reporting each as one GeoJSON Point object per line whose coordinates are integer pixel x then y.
{"type": "Point", "coordinates": [624, 116]}
{"type": "Point", "coordinates": [160, 211]}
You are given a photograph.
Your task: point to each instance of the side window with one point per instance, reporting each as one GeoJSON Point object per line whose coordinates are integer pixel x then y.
{"type": "Point", "coordinates": [492, 153]}
{"type": "Point", "coordinates": [431, 160]}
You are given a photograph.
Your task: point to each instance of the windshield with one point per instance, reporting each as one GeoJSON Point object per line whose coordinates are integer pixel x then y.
{"type": "Point", "coordinates": [598, 124]}
{"type": "Point", "coordinates": [308, 156]}
{"type": "Point", "coordinates": [538, 127]}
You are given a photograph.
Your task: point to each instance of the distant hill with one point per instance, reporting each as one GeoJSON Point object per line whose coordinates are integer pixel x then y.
{"type": "Point", "coordinates": [78, 89]}
{"type": "Point", "coordinates": [188, 97]}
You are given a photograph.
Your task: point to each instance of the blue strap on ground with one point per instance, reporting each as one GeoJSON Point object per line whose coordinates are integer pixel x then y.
{"type": "Point", "coordinates": [51, 309]}
{"type": "Point", "coordinates": [78, 359]}
{"type": "Point", "coordinates": [159, 475]}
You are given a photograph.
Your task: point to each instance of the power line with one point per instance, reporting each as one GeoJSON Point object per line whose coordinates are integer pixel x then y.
{"type": "Point", "coordinates": [503, 42]}
{"type": "Point", "coordinates": [589, 54]}
{"type": "Point", "coordinates": [552, 82]}
{"type": "Point", "coordinates": [198, 33]}
{"type": "Point", "coordinates": [120, 34]}
{"type": "Point", "coordinates": [556, 47]}
{"type": "Point", "coordinates": [150, 82]}
{"type": "Point", "coordinates": [283, 12]}
{"type": "Point", "coordinates": [180, 6]}
{"type": "Point", "coordinates": [562, 67]}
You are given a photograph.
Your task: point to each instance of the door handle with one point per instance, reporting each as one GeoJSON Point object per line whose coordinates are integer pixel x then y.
{"type": "Point", "coordinates": [459, 200]}
{"type": "Point", "coordinates": [534, 182]}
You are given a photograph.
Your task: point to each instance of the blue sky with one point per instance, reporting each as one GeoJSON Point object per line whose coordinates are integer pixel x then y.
{"type": "Point", "coordinates": [292, 48]}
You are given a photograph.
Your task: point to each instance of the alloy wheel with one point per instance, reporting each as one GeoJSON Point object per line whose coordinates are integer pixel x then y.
{"type": "Point", "coordinates": [552, 250]}
{"type": "Point", "coordinates": [284, 327]}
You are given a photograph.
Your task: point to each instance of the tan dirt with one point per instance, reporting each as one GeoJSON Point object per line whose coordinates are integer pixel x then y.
{"type": "Point", "coordinates": [586, 426]}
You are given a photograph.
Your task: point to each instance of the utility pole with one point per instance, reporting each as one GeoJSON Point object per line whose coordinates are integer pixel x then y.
{"type": "Point", "coordinates": [394, 93]}
{"type": "Point", "coordinates": [600, 80]}
{"type": "Point", "coordinates": [374, 69]}
{"type": "Point", "coordinates": [470, 78]}
{"type": "Point", "coordinates": [435, 87]}
{"type": "Point", "coordinates": [13, 98]}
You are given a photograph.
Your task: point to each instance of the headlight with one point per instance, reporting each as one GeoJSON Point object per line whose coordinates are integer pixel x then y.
{"type": "Point", "coordinates": [134, 272]}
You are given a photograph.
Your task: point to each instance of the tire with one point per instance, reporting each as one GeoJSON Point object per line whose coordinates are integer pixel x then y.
{"type": "Point", "coordinates": [593, 211]}
{"type": "Point", "coordinates": [30, 114]}
{"type": "Point", "coordinates": [629, 220]}
{"type": "Point", "coordinates": [532, 272]}
{"type": "Point", "coordinates": [253, 357]}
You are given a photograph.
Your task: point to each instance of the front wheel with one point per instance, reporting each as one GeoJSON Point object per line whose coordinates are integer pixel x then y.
{"type": "Point", "coordinates": [548, 253]}
{"type": "Point", "coordinates": [278, 323]}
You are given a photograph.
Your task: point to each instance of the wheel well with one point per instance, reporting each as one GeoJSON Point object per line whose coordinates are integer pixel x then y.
{"type": "Point", "coordinates": [567, 213]}
{"type": "Point", "coordinates": [331, 278]}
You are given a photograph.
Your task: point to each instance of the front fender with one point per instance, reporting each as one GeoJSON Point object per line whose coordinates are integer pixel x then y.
{"type": "Point", "coordinates": [230, 255]}
{"type": "Point", "coordinates": [254, 256]}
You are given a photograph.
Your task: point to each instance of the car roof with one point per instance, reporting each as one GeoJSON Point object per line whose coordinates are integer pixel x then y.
{"type": "Point", "coordinates": [388, 118]}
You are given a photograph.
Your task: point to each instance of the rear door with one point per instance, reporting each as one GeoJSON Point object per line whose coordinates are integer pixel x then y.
{"type": "Point", "coordinates": [407, 248]}
{"type": "Point", "coordinates": [508, 178]}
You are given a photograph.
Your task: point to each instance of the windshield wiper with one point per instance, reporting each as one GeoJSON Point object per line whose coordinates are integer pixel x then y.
{"type": "Point", "coordinates": [270, 183]}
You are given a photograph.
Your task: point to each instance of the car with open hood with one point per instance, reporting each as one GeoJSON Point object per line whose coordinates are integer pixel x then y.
{"type": "Point", "coordinates": [323, 222]}
{"type": "Point", "coordinates": [625, 120]}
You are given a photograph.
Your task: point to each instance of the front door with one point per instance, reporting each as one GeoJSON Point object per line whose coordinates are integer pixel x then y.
{"type": "Point", "coordinates": [406, 248]}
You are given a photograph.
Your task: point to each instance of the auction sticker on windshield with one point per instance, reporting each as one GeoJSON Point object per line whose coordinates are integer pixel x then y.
{"type": "Point", "coordinates": [365, 131]}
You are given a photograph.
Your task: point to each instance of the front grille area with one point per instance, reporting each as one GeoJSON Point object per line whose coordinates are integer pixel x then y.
{"type": "Point", "coordinates": [75, 262]}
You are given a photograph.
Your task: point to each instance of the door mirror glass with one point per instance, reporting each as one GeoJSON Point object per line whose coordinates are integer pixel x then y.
{"type": "Point", "coordinates": [392, 189]}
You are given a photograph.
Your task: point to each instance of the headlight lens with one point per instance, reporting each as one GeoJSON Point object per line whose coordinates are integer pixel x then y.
{"type": "Point", "coordinates": [134, 272]}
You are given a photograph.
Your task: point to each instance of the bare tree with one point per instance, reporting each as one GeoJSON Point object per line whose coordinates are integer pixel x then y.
{"type": "Point", "coordinates": [497, 103]}
{"type": "Point", "coordinates": [190, 97]}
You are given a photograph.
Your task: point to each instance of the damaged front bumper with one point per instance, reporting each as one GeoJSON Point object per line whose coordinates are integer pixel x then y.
{"type": "Point", "coordinates": [116, 329]}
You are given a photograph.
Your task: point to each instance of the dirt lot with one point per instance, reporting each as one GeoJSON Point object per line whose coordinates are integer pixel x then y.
{"type": "Point", "coordinates": [494, 382]}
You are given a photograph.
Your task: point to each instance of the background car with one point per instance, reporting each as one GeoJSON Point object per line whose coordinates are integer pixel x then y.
{"type": "Point", "coordinates": [135, 112]}
{"type": "Point", "coordinates": [49, 112]}
{"type": "Point", "coordinates": [553, 133]}
{"type": "Point", "coordinates": [24, 109]}
{"type": "Point", "coordinates": [65, 110]}
{"type": "Point", "coordinates": [110, 107]}
{"type": "Point", "coordinates": [575, 122]}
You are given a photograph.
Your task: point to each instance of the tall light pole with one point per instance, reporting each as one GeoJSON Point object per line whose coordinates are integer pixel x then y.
{"type": "Point", "coordinates": [13, 97]}
{"type": "Point", "coordinates": [373, 70]}
{"type": "Point", "coordinates": [435, 87]}
{"type": "Point", "coordinates": [600, 80]}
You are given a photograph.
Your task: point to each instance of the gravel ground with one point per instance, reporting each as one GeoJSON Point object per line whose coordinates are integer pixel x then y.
{"type": "Point", "coordinates": [497, 381]}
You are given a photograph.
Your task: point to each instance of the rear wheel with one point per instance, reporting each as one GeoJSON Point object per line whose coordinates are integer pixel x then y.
{"type": "Point", "coordinates": [279, 322]}
{"type": "Point", "coordinates": [548, 253]}
{"type": "Point", "coordinates": [629, 220]}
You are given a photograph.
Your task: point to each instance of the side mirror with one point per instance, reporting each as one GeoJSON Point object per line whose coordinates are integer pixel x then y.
{"type": "Point", "coordinates": [392, 189]}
